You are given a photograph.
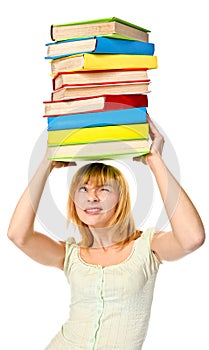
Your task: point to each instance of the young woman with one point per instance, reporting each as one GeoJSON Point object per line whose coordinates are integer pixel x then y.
{"type": "Point", "coordinates": [112, 271]}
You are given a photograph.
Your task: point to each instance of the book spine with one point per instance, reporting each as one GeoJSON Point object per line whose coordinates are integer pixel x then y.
{"type": "Point", "coordinates": [98, 134]}
{"type": "Point", "coordinates": [117, 46]}
{"type": "Point", "coordinates": [111, 61]}
{"type": "Point", "coordinates": [92, 62]}
{"type": "Point", "coordinates": [103, 156]}
{"type": "Point", "coordinates": [101, 151]}
{"type": "Point", "coordinates": [87, 120]}
{"type": "Point", "coordinates": [125, 101]}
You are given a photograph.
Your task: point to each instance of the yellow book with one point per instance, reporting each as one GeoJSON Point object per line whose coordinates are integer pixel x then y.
{"type": "Point", "coordinates": [98, 134]}
{"type": "Point", "coordinates": [91, 62]}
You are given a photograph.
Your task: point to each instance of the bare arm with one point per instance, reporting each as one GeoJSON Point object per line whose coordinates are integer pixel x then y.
{"type": "Point", "coordinates": [187, 231]}
{"type": "Point", "coordinates": [36, 245]}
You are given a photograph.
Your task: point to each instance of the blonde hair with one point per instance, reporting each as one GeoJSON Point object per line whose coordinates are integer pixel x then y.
{"type": "Point", "coordinates": [100, 174]}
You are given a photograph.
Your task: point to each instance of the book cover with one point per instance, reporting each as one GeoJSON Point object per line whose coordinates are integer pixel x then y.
{"type": "Point", "coordinates": [100, 151]}
{"type": "Point", "coordinates": [98, 26]}
{"type": "Point", "coordinates": [90, 61]}
{"type": "Point", "coordinates": [102, 103]}
{"type": "Point", "coordinates": [98, 134]}
{"type": "Point", "coordinates": [87, 120]}
{"type": "Point", "coordinates": [98, 45]}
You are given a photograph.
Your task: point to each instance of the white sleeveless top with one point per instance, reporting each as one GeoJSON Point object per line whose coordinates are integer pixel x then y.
{"type": "Point", "coordinates": [110, 306]}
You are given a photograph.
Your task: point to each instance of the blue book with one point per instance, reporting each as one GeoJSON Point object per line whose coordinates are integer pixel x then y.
{"type": "Point", "coordinates": [98, 45]}
{"type": "Point", "coordinates": [87, 120]}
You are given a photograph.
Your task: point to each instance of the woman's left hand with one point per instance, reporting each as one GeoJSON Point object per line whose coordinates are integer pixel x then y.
{"type": "Point", "coordinates": [55, 163]}
{"type": "Point", "coordinates": [157, 142]}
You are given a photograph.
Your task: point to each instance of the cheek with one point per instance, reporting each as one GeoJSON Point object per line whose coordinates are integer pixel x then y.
{"type": "Point", "coordinates": [79, 206]}
{"type": "Point", "coordinates": [79, 212]}
{"type": "Point", "coordinates": [78, 201]}
{"type": "Point", "coordinates": [110, 203]}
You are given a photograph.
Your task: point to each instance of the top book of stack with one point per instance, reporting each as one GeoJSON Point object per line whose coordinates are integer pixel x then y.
{"type": "Point", "coordinates": [112, 27]}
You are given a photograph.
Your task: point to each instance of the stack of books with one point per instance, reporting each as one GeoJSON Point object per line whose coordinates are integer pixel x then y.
{"type": "Point", "coordinates": [100, 85]}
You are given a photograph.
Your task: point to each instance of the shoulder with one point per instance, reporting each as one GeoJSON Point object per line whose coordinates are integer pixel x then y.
{"type": "Point", "coordinates": [146, 235]}
{"type": "Point", "coordinates": [70, 247]}
{"type": "Point", "coordinates": [144, 245]}
{"type": "Point", "coordinates": [70, 241]}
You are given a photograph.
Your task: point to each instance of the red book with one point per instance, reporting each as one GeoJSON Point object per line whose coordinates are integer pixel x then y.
{"type": "Point", "coordinates": [62, 79]}
{"type": "Point", "coordinates": [98, 103]}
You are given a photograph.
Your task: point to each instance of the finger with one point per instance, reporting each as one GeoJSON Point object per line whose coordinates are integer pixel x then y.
{"type": "Point", "coordinates": [59, 164]}
{"type": "Point", "coordinates": [152, 127]}
{"type": "Point", "coordinates": [153, 130]}
{"type": "Point", "coordinates": [151, 123]}
{"type": "Point", "coordinates": [141, 159]}
{"type": "Point", "coordinates": [70, 164]}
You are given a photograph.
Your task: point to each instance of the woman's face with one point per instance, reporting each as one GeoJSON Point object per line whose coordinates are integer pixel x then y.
{"type": "Point", "coordinates": [96, 205]}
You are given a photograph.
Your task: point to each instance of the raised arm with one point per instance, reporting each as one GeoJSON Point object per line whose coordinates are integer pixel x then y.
{"type": "Point", "coordinates": [36, 245]}
{"type": "Point", "coordinates": [187, 231]}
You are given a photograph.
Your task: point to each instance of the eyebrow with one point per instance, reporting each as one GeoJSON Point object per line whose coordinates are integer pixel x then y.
{"type": "Point", "coordinates": [97, 185]}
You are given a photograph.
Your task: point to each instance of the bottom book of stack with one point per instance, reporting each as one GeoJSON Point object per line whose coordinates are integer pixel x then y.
{"type": "Point", "coordinates": [100, 150]}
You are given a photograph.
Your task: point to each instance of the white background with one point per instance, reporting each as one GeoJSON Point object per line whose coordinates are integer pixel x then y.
{"type": "Point", "coordinates": [34, 299]}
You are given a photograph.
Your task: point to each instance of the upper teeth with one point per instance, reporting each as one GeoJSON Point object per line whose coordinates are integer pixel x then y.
{"type": "Point", "coordinates": [93, 209]}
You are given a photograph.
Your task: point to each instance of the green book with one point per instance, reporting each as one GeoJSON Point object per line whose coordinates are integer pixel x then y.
{"type": "Point", "coordinates": [100, 150]}
{"type": "Point", "coordinates": [112, 26]}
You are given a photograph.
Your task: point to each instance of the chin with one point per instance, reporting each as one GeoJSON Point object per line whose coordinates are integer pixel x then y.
{"type": "Point", "coordinates": [96, 221]}
{"type": "Point", "coordinates": [91, 222]}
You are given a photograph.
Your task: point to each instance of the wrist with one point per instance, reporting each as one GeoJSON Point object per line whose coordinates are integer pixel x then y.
{"type": "Point", "coordinates": [47, 162]}
{"type": "Point", "coordinates": [46, 165]}
{"type": "Point", "coordinates": [153, 160]}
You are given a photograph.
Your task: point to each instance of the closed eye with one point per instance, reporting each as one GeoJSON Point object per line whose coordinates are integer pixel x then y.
{"type": "Point", "coordinates": [107, 189]}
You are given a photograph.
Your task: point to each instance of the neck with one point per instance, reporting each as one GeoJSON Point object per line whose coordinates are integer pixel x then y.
{"type": "Point", "coordinates": [103, 237]}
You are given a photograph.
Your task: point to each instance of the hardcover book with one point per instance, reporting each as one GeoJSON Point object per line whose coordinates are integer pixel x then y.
{"type": "Point", "coordinates": [103, 26]}
{"type": "Point", "coordinates": [98, 134]}
{"type": "Point", "coordinates": [98, 45]}
{"type": "Point", "coordinates": [88, 61]}
{"type": "Point", "coordinates": [101, 150]}
{"type": "Point", "coordinates": [76, 91]}
{"type": "Point", "coordinates": [86, 120]}
{"type": "Point", "coordinates": [62, 79]}
{"type": "Point", "coordinates": [100, 103]}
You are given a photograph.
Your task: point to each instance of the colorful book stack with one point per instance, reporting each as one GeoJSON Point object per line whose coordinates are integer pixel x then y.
{"type": "Point", "coordinates": [100, 85]}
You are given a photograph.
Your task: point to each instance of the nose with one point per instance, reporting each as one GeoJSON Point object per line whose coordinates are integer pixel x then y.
{"type": "Point", "coordinates": [92, 196]}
